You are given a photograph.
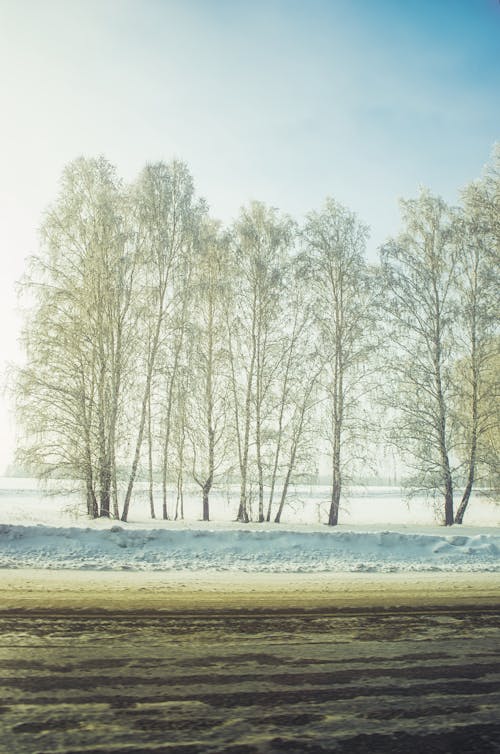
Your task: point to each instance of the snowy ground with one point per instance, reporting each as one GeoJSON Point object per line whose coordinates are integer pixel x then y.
{"type": "Point", "coordinates": [379, 533]}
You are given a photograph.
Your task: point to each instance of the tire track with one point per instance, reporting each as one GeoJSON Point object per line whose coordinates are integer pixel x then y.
{"type": "Point", "coordinates": [255, 684]}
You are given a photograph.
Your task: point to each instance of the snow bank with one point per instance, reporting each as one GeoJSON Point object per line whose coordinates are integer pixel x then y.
{"type": "Point", "coordinates": [240, 549]}
{"type": "Point", "coordinates": [379, 532]}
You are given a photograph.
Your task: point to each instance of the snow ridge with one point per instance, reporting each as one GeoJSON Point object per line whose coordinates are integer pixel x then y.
{"type": "Point", "coordinates": [119, 548]}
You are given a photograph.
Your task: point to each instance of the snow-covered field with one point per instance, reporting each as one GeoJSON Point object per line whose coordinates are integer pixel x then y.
{"type": "Point", "coordinates": [380, 532]}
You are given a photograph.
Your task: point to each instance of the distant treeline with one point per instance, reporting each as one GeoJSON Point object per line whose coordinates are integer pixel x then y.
{"type": "Point", "coordinates": [162, 345]}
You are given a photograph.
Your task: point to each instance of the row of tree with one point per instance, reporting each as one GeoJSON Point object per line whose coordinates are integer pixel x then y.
{"type": "Point", "coordinates": [161, 346]}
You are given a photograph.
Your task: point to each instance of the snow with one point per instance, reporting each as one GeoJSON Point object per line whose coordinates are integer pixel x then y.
{"type": "Point", "coordinates": [380, 533]}
{"type": "Point", "coordinates": [266, 550]}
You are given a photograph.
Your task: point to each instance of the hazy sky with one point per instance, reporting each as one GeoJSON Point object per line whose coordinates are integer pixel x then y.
{"type": "Point", "coordinates": [286, 101]}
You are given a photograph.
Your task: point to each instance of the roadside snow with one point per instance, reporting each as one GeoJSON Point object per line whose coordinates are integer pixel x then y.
{"type": "Point", "coordinates": [243, 550]}
{"type": "Point", "coordinates": [51, 532]}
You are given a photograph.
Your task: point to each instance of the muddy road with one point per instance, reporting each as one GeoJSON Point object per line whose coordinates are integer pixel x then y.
{"type": "Point", "coordinates": [251, 681]}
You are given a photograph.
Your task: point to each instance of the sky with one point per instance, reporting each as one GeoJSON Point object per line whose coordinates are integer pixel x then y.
{"type": "Point", "coordinates": [285, 101]}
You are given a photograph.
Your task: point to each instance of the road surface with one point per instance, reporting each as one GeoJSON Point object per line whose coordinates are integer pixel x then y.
{"type": "Point", "coordinates": [208, 676]}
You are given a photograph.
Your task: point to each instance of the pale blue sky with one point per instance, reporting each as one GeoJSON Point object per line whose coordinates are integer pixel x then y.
{"type": "Point", "coordinates": [286, 101]}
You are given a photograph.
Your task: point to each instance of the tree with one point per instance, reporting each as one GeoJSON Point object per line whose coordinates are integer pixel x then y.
{"type": "Point", "coordinates": [78, 333]}
{"type": "Point", "coordinates": [173, 365]}
{"type": "Point", "coordinates": [166, 226]}
{"type": "Point", "coordinates": [261, 239]}
{"type": "Point", "coordinates": [478, 242]}
{"type": "Point", "coordinates": [208, 403]}
{"type": "Point", "coordinates": [334, 244]}
{"type": "Point", "coordinates": [297, 441]}
{"type": "Point", "coordinates": [293, 386]}
{"type": "Point", "coordinates": [419, 271]}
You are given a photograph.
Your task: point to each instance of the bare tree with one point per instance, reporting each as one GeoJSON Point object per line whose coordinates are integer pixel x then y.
{"type": "Point", "coordinates": [183, 386]}
{"type": "Point", "coordinates": [420, 270]}
{"type": "Point", "coordinates": [208, 406]}
{"type": "Point", "coordinates": [174, 356]}
{"type": "Point", "coordinates": [298, 441]}
{"type": "Point", "coordinates": [293, 381]}
{"type": "Point", "coordinates": [261, 239]}
{"type": "Point", "coordinates": [334, 245]}
{"type": "Point", "coordinates": [79, 332]}
{"type": "Point", "coordinates": [166, 225]}
{"type": "Point", "coordinates": [478, 241]}
{"type": "Point", "coordinates": [156, 342]}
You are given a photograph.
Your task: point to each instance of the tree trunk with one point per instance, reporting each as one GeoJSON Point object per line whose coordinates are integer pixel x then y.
{"type": "Point", "coordinates": [284, 491]}
{"type": "Point", "coordinates": [92, 506]}
{"type": "Point", "coordinates": [333, 515]}
{"type": "Point", "coordinates": [164, 512]}
{"type": "Point", "coordinates": [278, 445]}
{"type": "Point", "coordinates": [261, 484]}
{"type": "Point", "coordinates": [150, 463]}
{"type": "Point", "coordinates": [142, 423]}
{"type": "Point", "coordinates": [206, 492]}
{"type": "Point", "coordinates": [211, 470]}
{"type": "Point", "coordinates": [105, 491]}
{"type": "Point", "coordinates": [153, 349]}
{"type": "Point", "coordinates": [168, 419]}
{"type": "Point", "coordinates": [445, 466]}
{"type": "Point", "coordinates": [258, 420]}
{"type": "Point", "coordinates": [337, 419]}
{"type": "Point", "coordinates": [104, 471]}
{"type": "Point", "coordinates": [243, 509]}
{"type": "Point", "coordinates": [138, 446]}
{"type": "Point", "coordinates": [293, 454]}
{"type": "Point", "coordinates": [283, 399]}
{"type": "Point", "coordinates": [180, 474]}
{"type": "Point", "coordinates": [179, 501]}
{"type": "Point", "coordinates": [116, 510]}
{"type": "Point", "coordinates": [459, 517]}
{"type": "Point", "coordinates": [443, 450]}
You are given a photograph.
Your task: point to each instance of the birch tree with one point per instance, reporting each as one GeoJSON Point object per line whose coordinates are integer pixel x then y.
{"type": "Point", "coordinates": [166, 217]}
{"type": "Point", "coordinates": [261, 239]}
{"type": "Point", "coordinates": [172, 367]}
{"type": "Point", "coordinates": [420, 271]}
{"type": "Point", "coordinates": [208, 405]}
{"type": "Point", "coordinates": [478, 241]}
{"type": "Point", "coordinates": [334, 244]}
{"type": "Point", "coordinates": [294, 376]}
{"type": "Point", "coordinates": [79, 333]}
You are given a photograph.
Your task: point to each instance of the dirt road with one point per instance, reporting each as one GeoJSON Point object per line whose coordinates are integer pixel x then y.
{"type": "Point", "coordinates": [72, 590]}
{"type": "Point", "coordinates": [120, 664]}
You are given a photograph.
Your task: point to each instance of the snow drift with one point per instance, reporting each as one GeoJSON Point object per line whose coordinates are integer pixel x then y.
{"type": "Point", "coordinates": [118, 548]}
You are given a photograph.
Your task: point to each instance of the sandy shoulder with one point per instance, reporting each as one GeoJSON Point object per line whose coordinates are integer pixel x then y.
{"type": "Point", "coordinates": [40, 590]}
